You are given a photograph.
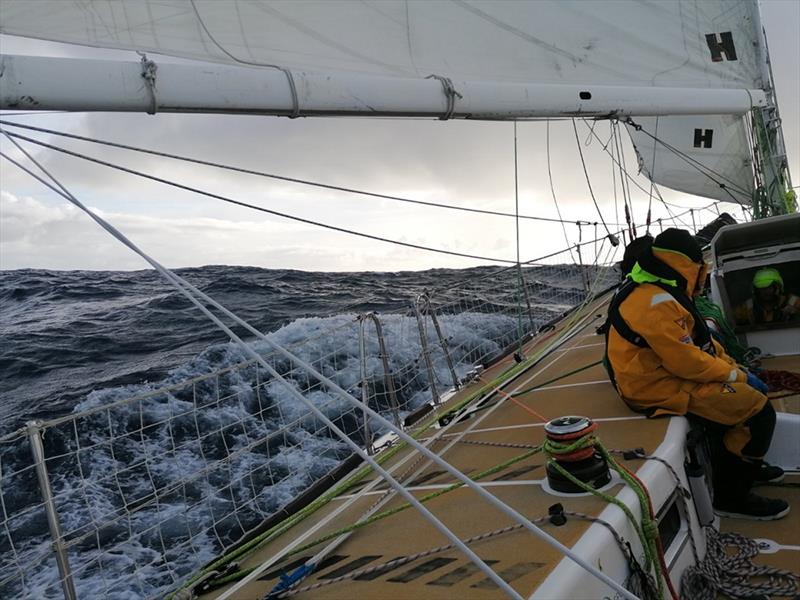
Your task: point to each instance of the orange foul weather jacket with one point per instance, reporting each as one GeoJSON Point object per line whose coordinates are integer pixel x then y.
{"type": "Point", "coordinates": [661, 377]}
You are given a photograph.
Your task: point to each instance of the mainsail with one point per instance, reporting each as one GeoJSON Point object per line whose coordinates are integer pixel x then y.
{"type": "Point", "coordinates": [452, 59]}
{"type": "Point", "coordinates": [648, 43]}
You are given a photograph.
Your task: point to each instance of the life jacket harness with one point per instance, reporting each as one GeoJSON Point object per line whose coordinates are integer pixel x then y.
{"type": "Point", "coordinates": [701, 336]}
{"type": "Point", "coordinates": [763, 314]}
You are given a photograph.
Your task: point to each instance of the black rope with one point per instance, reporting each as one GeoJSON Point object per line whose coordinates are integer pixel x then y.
{"type": "Point", "coordinates": [700, 167]}
{"type": "Point", "coordinates": [589, 184]}
{"type": "Point", "coordinates": [624, 175]}
{"type": "Point", "coordinates": [248, 205]}
{"type": "Point", "coordinates": [553, 191]}
{"type": "Point", "coordinates": [283, 177]}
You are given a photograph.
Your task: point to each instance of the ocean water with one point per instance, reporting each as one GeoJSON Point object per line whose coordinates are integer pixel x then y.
{"type": "Point", "coordinates": [73, 341]}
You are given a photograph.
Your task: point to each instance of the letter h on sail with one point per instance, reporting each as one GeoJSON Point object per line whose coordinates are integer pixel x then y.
{"type": "Point", "coordinates": [703, 138]}
{"type": "Point", "coordinates": [720, 44]}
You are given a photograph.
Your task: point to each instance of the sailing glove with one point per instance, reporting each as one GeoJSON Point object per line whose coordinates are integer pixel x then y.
{"type": "Point", "coordinates": [755, 382]}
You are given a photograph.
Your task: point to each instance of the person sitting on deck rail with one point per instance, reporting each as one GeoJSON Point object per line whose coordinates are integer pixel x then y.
{"type": "Point", "coordinates": [663, 361]}
{"type": "Point", "coordinates": [769, 303]}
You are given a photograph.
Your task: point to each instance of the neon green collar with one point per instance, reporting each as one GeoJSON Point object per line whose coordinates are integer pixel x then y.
{"type": "Point", "coordinates": [639, 275]}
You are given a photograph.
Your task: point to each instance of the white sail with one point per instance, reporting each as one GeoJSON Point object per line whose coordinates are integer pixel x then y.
{"type": "Point", "coordinates": [494, 60]}
{"type": "Point", "coordinates": [706, 156]}
{"type": "Point", "coordinates": [661, 43]}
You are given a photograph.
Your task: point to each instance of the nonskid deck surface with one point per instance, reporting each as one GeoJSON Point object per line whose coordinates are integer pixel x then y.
{"type": "Point", "coordinates": [781, 538]}
{"type": "Point", "coordinates": [517, 556]}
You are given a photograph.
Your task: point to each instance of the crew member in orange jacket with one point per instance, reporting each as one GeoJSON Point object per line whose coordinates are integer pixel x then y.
{"type": "Point", "coordinates": [663, 361]}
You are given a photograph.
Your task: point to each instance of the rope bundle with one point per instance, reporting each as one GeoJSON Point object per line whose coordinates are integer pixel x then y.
{"type": "Point", "coordinates": [735, 575]}
{"type": "Point", "coordinates": [781, 380]}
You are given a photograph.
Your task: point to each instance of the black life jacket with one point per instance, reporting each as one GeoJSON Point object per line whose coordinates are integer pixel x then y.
{"type": "Point", "coordinates": [701, 335]}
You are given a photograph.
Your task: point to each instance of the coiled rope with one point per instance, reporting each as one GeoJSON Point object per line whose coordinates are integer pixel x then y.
{"type": "Point", "coordinates": [735, 574]}
{"type": "Point", "coordinates": [781, 380]}
{"type": "Point", "coordinates": [741, 354]}
{"type": "Point", "coordinates": [720, 571]}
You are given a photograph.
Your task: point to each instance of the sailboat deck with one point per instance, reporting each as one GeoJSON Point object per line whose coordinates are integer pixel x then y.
{"type": "Point", "coordinates": [520, 558]}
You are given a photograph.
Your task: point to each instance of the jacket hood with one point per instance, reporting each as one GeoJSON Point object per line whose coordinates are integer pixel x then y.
{"type": "Point", "coordinates": [684, 265]}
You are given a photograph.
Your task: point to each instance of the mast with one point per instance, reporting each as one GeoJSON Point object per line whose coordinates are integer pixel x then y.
{"type": "Point", "coordinates": [773, 194]}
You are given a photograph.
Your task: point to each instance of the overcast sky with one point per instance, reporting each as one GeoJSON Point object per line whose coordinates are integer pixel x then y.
{"type": "Point", "coordinates": [454, 162]}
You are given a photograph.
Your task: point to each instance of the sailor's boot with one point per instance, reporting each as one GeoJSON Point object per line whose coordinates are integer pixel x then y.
{"type": "Point", "coordinates": [769, 474]}
{"type": "Point", "coordinates": [733, 480]}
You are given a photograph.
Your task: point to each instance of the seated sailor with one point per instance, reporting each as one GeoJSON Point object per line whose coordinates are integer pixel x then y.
{"type": "Point", "coordinates": [769, 303]}
{"type": "Point", "coordinates": [663, 361]}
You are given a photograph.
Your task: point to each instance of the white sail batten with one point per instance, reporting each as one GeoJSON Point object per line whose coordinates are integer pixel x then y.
{"type": "Point", "coordinates": [666, 43]}
{"type": "Point", "coordinates": [705, 156]}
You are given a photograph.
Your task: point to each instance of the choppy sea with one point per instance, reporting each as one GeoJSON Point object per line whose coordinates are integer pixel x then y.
{"type": "Point", "coordinates": [81, 339]}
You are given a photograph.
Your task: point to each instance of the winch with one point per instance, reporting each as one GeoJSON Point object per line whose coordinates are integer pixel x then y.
{"type": "Point", "coordinates": [569, 444]}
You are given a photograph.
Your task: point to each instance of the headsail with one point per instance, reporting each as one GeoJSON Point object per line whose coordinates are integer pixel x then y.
{"type": "Point", "coordinates": [707, 156]}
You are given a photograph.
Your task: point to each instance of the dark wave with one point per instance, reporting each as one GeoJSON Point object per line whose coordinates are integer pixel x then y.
{"type": "Point", "coordinates": [66, 332]}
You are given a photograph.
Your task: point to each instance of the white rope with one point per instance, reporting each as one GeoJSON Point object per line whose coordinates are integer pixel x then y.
{"type": "Point", "coordinates": [188, 290]}
{"type": "Point", "coordinates": [735, 574]}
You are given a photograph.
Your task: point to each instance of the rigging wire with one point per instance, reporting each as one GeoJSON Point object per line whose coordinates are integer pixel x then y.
{"type": "Point", "coordinates": [553, 192]}
{"type": "Point", "coordinates": [625, 175]}
{"type": "Point", "coordinates": [519, 266]}
{"type": "Point", "coordinates": [652, 175]}
{"type": "Point", "coordinates": [630, 217]}
{"type": "Point", "coordinates": [266, 210]}
{"type": "Point", "coordinates": [613, 170]}
{"type": "Point", "coordinates": [253, 206]}
{"type": "Point", "coordinates": [195, 296]}
{"type": "Point", "coordinates": [697, 165]}
{"type": "Point", "coordinates": [589, 184]}
{"type": "Point", "coordinates": [297, 180]}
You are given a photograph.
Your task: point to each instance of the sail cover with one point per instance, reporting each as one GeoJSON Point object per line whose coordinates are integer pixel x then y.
{"type": "Point", "coordinates": [706, 156]}
{"type": "Point", "coordinates": [669, 43]}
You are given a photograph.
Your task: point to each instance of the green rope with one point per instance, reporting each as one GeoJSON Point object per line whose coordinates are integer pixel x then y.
{"type": "Point", "coordinates": [282, 527]}
{"type": "Point", "coordinates": [406, 505]}
{"type": "Point", "coordinates": [709, 310]}
{"type": "Point", "coordinates": [348, 483]}
{"type": "Point", "coordinates": [382, 515]}
{"type": "Point", "coordinates": [647, 530]}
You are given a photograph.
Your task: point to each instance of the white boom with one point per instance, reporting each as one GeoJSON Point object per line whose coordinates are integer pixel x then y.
{"type": "Point", "coordinates": [39, 83]}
